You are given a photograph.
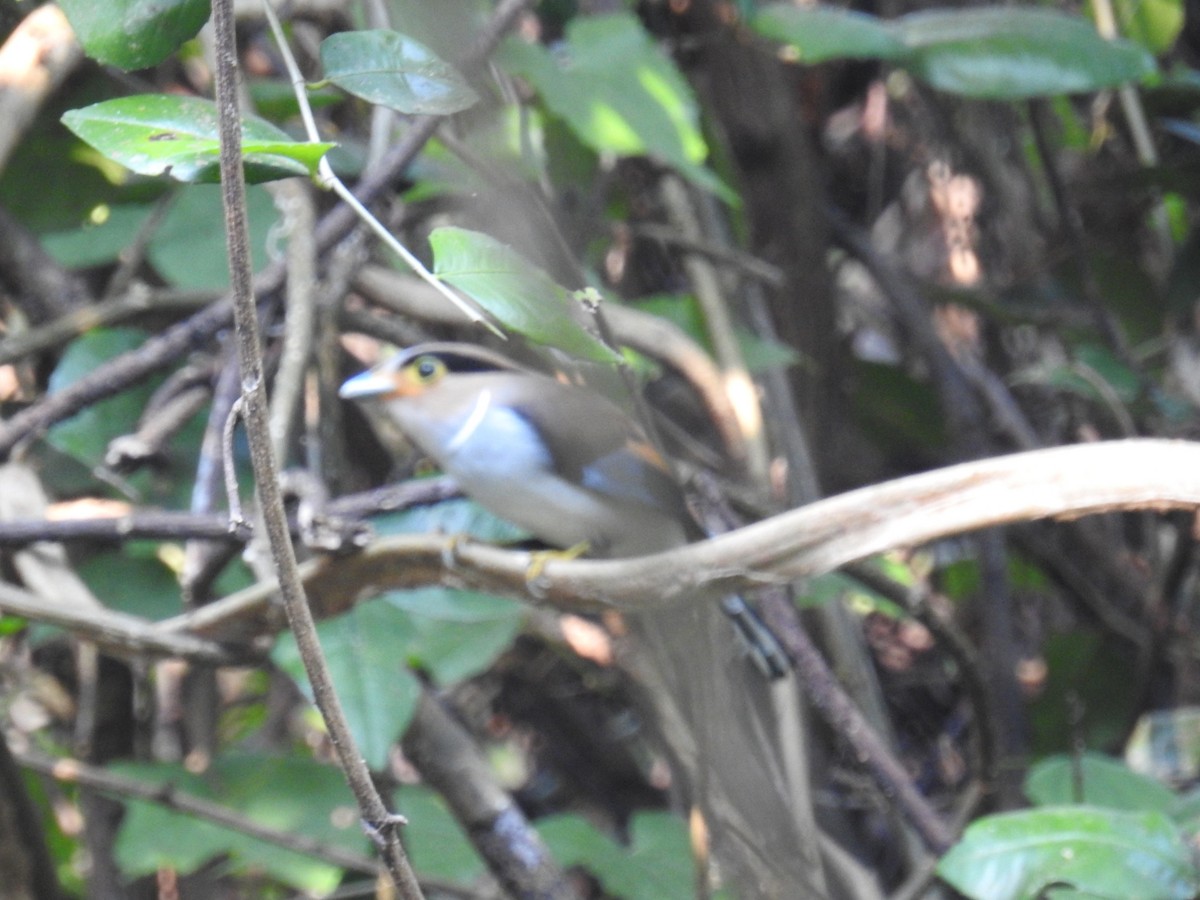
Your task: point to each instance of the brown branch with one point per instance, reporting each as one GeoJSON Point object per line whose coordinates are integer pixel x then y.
{"type": "Point", "coordinates": [848, 722]}
{"type": "Point", "coordinates": [178, 526]}
{"type": "Point", "coordinates": [35, 59]}
{"type": "Point", "coordinates": [137, 301]}
{"type": "Point", "coordinates": [161, 525]}
{"type": "Point", "coordinates": [254, 394]}
{"type": "Point", "coordinates": [116, 632]}
{"type": "Point", "coordinates": [1062, 482]}
{"type": "Point", "coordinates": [74, 771]}
{"type": "Point", "coordinates": [447, 758]}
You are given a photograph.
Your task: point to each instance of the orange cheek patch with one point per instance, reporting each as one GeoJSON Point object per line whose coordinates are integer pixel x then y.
{"type": "Point", "coordinates": [404, 384]}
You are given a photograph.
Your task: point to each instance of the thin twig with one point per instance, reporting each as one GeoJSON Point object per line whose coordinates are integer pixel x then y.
{"type": "Point", "coordinates": [163, 525]}
{"type": "Point", "coordinates": [850, 725]}
{"type": "Point", "coordinates": [169, 525]}
{"type": "Point", "coordinates": [117, 632]}
{"type": "Point", "coordinates": [233, 194]}
{"type": "Point", "coordinates": [74, 771]}
{"type": "Point", "coordinates": [294, 200]}
{"type": "Point", "coordinates": [137, 301]}
{"type": "Point", "coordinates": [229, 466]}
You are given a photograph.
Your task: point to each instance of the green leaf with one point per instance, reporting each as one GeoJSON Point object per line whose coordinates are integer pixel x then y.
{"type": "Point", "coordinates": [189, 247]}
{"type": "Point", "coordinates": [275, 98]}
{"type": "Point", "coordinates": [394, 70]}
{"type": "Point", "coordinates": [436, 840]}
{"type": "Point", "coordinates": [820, 33]}
{"type": "Point", "coordinates": [158, 134]}
{"type": "Point", "coordinates": [450, 634]}
{"type": "Point", "coordinates": [1155, 24]}
{"type": "Point", "coordinates": [1016, 52]}
{"type": "Point", "coordinates": [517, 293]}
{"type": "Point", "coordinates": [620, 94]}
{"type": "Point", "coordinates": [94, 244]}
{"type": "Point", "coordinates": [1091, 672]}
{"type": "Point", "coordinates": [365, 650]}
{"type": "Point", "coordinates": [1007, 53]}
{"type": "Point", "coordinates": [1102, 852]}
{"type": "Point", "coordinates": [86, 435]}
{"type": "Point", "coordinates": [1105, 782]}
{"type": "Point", "coordinates": [456, 634]}
{"type": "Point", "coordinates": [290, 794]}
{"type": "Point", "coordinates": [657, 863]}
{"type": "Point", "coordinates": [1185, 812]}
{"type": "Point", "coordinates": [134, 34]}
{"type": "Point", "coordinates": [457, 516]}
{"type": "Point", "coordinates": [131, 583]}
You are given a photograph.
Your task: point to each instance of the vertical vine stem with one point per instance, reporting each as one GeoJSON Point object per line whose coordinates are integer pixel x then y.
{"type": "Point", "coordinates": [376, 817]}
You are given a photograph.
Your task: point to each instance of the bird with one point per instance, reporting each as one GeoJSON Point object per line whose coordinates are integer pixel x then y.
{"type": "Point", "coordinates": [569, 466]}
{"type": "Point", "coordinates": [566, 465]}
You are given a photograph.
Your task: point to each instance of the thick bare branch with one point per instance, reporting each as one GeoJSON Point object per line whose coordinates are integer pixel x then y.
{"type": "Point", "coordinates": [1062, 482]}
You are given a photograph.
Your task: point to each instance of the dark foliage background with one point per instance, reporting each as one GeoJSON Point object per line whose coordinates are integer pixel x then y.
{"type": "Point", "coordinates": [842, 248]}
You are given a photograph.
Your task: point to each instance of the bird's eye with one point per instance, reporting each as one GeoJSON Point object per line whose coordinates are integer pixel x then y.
{"type": "Point", "coordinates": [428, 369]}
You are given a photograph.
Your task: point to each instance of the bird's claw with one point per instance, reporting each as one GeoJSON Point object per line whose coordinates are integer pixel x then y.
{"type": "Point", "coordinates": [538, 561]}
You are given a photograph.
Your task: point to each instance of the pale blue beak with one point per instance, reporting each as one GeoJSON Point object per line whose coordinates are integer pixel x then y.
{"type": "Point", "coordinates": [367, 384]}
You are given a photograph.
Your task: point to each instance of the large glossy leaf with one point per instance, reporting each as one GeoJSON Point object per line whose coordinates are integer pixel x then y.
{"type": "Point", "coordinates": [1102, 852]}
{"type": "Point", "coordinates": [134, 34]}
{"type": "Point", "coordinates": [820, 33]}
{"type": "Point", "coordinates": [1013, 52]}
{"type": "Point", "coordinates": [455, 634]}
{"type": "Point", "coordinates": [449, 634]}
{"type": "Point", "coordinates": [619, 93]}
{"type": "Point", "coordinates": [158, 134]}
{"type": "Point", "coordinates": [290, 794]}
{"type": "Point", "coordinates": [1102, 781]}
{"type": "Point", "coordinates": [517, 293]}
{"type": "Point", "coordinates": [997, 53]}
{"type": "Point", "coordinates": [365, 650]}
{"type": "Point", "coordinates": [394, 70]}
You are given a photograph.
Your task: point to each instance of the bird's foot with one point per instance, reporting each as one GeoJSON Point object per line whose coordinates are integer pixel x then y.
{"type": "Point", "coordinates": [537, 563]}
{"type": "Point", "coordinates": [450, 551]}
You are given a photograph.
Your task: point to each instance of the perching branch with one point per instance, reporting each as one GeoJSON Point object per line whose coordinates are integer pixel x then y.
{"type": "Point", "coordinates": [1062, 482]}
